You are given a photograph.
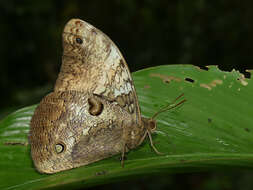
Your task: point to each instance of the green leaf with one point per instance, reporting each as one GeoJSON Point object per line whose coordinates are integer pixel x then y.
{"type": "Point", "coordinates": [212, 129]}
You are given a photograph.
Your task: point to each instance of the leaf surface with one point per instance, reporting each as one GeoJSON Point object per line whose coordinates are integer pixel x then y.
{"type": "Point", "coordinates": [213, 129]}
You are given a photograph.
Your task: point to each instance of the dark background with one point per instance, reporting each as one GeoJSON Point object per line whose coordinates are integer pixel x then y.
{"type": "Point", "coordinates": [148, 33]}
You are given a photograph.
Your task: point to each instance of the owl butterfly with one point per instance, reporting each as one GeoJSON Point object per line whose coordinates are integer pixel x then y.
{"type": "Point", "coordinates": [93, 112]}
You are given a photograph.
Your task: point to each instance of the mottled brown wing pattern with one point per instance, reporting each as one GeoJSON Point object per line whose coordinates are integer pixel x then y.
{"type": "Point", "coordinates": [93, 112]}
{"type": "Point", "coordinates": [100, 68]}
{"type": "Point", "coordinates": [63, 119]}
{"type": "Point", "coordinates": [48, 128]}
{"type": "Point", "coordinates": [119, 87]}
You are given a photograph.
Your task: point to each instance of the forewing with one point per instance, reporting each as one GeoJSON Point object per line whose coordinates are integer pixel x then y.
{"type": "Point", "coordinates": [96, 66]}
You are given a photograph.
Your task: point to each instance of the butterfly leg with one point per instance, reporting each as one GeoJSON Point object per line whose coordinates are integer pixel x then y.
{"type": "Point", "coordinates": [123, 155]}
{"type": "Point", "coordinates": [152, 145]}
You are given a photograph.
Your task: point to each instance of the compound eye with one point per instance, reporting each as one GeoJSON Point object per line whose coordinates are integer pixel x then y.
{"type": "Point", "coordinates": [152, 125]}
{"type": "Point", "coordinates": [79, 40]}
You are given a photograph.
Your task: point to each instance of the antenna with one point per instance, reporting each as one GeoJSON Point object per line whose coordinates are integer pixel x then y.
{"type": "Point", "coordinates": [169, 106]}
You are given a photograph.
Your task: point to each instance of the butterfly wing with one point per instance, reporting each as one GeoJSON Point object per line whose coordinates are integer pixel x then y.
{"type": "Point", "coordinates": [93, 63]}
{"type": "Point", "coordinates": [65, 134]}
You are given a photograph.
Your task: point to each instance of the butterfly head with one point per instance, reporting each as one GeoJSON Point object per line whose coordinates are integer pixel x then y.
{"type": "Point", "coordinates": [150, 124]}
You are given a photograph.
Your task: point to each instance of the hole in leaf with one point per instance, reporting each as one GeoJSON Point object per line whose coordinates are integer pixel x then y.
{"type": "Point", "coordinates": [203, 67]}
{"type": "Point", "coordinates": [247, 74]}
{"type": "Point", "coordinates": [189, 80]}
{"type": "Point", "coordinates": [242, 70]}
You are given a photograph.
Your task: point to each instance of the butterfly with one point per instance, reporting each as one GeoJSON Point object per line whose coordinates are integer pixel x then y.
{"type": "Point", "coordinates": [93, 112]}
